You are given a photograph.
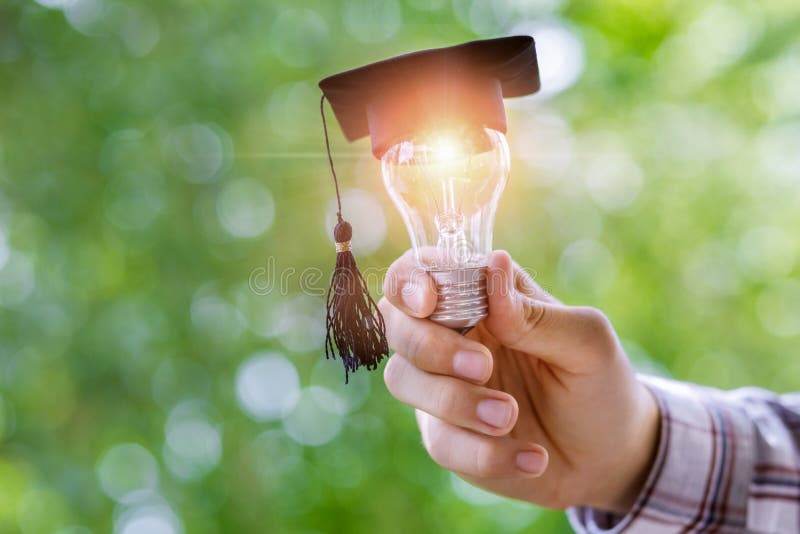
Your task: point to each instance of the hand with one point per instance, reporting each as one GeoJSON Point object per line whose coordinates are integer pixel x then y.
{"type": "Point", "coordinates": [538, 402]}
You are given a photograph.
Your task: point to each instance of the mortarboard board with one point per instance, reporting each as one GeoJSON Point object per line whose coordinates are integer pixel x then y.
{"type": "Point", "coordinates": [454, 87]}
{"type": "Point", "coordinates": [465, 83]}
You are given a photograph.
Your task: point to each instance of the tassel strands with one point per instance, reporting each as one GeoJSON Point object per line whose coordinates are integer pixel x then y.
{"type": "Point", "coordinates": [354, 325]}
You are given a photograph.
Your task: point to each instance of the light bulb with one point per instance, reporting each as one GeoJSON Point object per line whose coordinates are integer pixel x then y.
{"type": "Point", "coordinates": [446, 185]}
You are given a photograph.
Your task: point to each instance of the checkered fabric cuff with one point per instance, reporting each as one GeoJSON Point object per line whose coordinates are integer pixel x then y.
{"type": "Point", "coordinates": [700, 478]}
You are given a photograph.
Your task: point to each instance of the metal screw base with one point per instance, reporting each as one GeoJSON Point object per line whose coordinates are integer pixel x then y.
{"type": "Point", "coordinates": [462, 297]}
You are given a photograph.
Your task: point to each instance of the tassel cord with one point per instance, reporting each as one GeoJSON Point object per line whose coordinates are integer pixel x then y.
{"type": "Point", "coordinates": [354, 325]}
{"type": "Point", "coordinates": [330, 157]}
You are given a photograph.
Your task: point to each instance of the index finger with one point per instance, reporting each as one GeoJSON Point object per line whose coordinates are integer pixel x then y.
{"type": "Point", "coordinates": [409, 288]}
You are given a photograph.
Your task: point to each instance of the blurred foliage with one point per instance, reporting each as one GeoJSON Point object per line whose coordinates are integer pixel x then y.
{"type": "Point", "coordinates": [154, 156]}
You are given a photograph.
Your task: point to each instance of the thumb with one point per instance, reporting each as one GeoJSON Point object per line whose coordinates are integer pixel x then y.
{"type": "Point", "coordinates": [509, 311]}
{"type": "Point", "coordinates": [538, 325]}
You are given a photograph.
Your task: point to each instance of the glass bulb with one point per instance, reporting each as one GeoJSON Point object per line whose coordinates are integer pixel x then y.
{"type": "Point", "coordinates": [446, 186]}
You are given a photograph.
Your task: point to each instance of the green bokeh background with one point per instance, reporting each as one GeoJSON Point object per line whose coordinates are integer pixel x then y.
{"type": "Point", "coordinates": [157, 158]}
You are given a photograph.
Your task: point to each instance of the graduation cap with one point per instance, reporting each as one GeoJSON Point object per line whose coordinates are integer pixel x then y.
{"type": "Point", "coordinates": [454, 87]}
{"type": "Point", "coordinates": [466, 83]}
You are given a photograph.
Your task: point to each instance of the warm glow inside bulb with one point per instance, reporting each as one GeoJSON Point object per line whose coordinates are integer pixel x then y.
{"type": "Point", "coordinates": [445, 149]}
{"type": "Point", "coordinates": [446, 186]}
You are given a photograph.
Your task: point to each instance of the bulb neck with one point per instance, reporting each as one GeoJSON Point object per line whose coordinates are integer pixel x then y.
{"type": "Point", "coordinates": [462, 298]}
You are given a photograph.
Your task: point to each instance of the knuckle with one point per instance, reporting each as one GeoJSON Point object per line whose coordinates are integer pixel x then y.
{"type": "Point", "coordinates": [528, 315]}
{"type": "Point", "coordinates": [533, 315]}
{"type": "Point", "coordinates": [596, 330]}
{"type": "Point", "coordinates": [384, 306]}
{"type": "Point", "coordinates": [389, 283]}
{"type": "Point", "coordinates": [393, 322]}
{"type": "Point", "coordinates": [592, 314]}
{"type": "Point", "coordinates": [391, 278]}
{"type": "Point", "coordinates": [445, 400]}
{"type": "Point", "coordinates": [437, 446]}
{"type": "Point", "coordinates": [423, 348]}
{"type": "Point", "coordinates": [446, 403]}
{"type": "Point", "coordinates": [393, 374]}
{"type": "Point", "coordinates": [559, 498]}
{"type": "Point", "coordinates": [485, 460]}
{"type": "Point", "coordinates": [523, 283]}
{"type": "Point", "coordinates": [594, 321]}
{"type": "Point", "coordinates": [396, 275]}
{"type": "Point", "coordinates": [416, 343]}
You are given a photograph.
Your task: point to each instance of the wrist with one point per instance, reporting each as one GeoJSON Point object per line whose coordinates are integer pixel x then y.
{"type": "Point", "coordinates": [632, 465]}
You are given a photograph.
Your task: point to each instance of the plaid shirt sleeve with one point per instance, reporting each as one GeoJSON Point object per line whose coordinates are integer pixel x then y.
{"type": "Point", "coordinates": [726, 462]}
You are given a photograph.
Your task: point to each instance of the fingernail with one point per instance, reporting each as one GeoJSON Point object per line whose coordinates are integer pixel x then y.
{"type": "Point", "coordinates": [471, 364]}
{"type": "Point", "coordinates": [413, 297]}
{"type": "Point", "coordinates": [494, 412]}
{"type": "Point", "coordinates": [531, 462]}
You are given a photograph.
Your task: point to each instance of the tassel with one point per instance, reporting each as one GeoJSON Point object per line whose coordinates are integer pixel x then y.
{"type": "Point", "coordinates": [354, 325]}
